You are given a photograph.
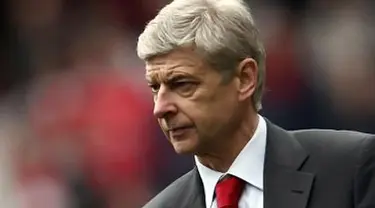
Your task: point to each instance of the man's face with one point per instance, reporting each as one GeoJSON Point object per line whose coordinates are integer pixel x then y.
{"type": "Point", "coordinates": [193, 107]}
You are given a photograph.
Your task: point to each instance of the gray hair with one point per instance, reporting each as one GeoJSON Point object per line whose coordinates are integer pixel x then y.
{"type": "Point", "coordinates": [222, 31]}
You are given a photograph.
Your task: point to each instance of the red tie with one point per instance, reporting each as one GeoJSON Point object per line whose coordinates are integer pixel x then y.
{"type": "Point", "coordinates": [228, 192]}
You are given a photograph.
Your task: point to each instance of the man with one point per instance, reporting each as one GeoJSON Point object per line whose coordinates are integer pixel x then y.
{"type": "Point", "coordinates": [205, 67]}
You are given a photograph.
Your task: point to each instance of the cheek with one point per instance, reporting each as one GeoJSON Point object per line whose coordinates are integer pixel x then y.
{"type": "Point", "coordinates": [160, 121]}
{"type": "Point", "coordinates": [220, 110]}
{"type": "Point", "coordinates": [162, 127]}
{"type": "Point", "coordinates": [209, 109]}
{"type": "Point", "coordinates": [209, 116]}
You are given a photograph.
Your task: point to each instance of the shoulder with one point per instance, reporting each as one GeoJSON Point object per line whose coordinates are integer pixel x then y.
{"type": "Point", "coordinates": [169, 196]}
{"type": "Point", "coordinates": [340, 156]}
{"type": "Point", "coordinates": [335, 143]}
{"type": "Point", "coordinates": [337, 138]}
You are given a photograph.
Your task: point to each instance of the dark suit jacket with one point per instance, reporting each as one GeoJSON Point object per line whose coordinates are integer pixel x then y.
{"type": "Point", "coordinates": [303, 169]}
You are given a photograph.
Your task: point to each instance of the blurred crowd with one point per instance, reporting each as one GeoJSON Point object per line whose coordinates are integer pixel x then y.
{"type": "Point", "coordinates": [76, 124]}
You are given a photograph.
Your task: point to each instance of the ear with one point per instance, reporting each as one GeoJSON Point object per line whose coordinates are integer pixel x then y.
{"type": "Point", "coordinates": [247, 74]}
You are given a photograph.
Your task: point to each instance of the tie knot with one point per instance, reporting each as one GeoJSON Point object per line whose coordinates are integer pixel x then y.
{"type": "Point", "coordinates": [228, 192]}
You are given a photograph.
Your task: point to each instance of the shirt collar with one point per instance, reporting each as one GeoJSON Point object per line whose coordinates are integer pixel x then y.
{"type": "Point", "coordinates": [248, 165]}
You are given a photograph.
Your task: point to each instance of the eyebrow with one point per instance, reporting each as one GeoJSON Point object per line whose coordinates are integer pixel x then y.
{"type": "Point", "coordinates": [148, 78]}
{"type": "Point", "coordinates": [177, 76]}
{"type": "Point", "coordinates": [170, 77]}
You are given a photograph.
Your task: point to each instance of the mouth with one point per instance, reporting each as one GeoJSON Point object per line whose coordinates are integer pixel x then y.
{"type": "Point", "coordinates": [178, 131]}
{"type": "Point", "coordinates": [178, 128]}
{"type": "Point", "coordinates": [171, 129]}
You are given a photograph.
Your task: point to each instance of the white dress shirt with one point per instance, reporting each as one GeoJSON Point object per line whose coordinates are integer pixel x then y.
{"type": "Point", "coordinates": [248, 166]}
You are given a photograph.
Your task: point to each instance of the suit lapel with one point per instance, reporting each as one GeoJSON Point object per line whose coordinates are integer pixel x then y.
{"type": "Point", "coordinates": [285, 186]}
{"type": "Point", "coordinates": [194, 197]}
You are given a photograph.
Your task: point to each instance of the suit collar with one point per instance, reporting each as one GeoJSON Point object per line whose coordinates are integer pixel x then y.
{"type": "Point", "coordinates": [285, 186]}
{"type": "Point", "coordinates": [194, 193]}
{"type": "Point", "coordinates": [283, 149]}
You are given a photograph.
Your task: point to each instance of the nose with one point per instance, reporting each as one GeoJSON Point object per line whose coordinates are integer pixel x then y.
{"type": "Point", "coordinates": [163, 104]}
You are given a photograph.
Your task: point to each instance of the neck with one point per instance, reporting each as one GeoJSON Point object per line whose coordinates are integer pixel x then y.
{"type": "Point", "coordinates": [221, 156]}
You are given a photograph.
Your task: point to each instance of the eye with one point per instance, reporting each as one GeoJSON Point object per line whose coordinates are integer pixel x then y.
{"type": "Point", "coordinates": [154, 87]}
{"type": "Point", "coordinates": [183, 86]}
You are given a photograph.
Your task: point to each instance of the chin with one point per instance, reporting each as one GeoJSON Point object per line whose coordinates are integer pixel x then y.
{"type": "Point", "coordinates": [184, 148]}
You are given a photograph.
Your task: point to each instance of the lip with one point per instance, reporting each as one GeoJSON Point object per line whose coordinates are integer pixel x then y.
{"type": "Point", "coordinates": [179, 131]}
{"type": "Point", "coordinates": [178, 128]}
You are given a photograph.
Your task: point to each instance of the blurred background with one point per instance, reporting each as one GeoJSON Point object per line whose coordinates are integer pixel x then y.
{"type": "Point", "coordinates": [76, 125]}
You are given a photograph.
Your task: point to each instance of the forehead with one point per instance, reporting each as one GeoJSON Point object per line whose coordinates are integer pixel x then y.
{"type": "Point", "coordinates": [179, 61]}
